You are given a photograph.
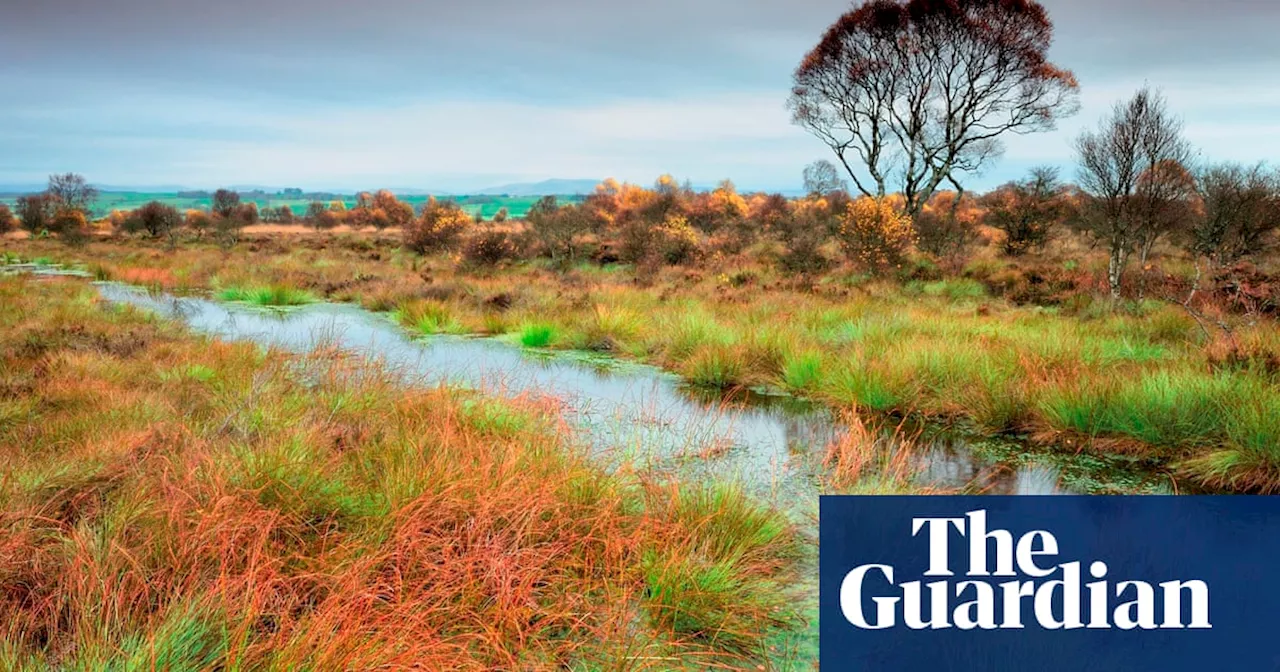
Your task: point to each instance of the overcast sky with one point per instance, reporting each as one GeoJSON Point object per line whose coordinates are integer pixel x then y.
{"type": "Point", "coordinates": [463, 95]}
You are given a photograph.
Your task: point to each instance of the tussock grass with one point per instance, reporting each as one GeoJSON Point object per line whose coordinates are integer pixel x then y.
{"type": "Point", "coordinates": [1135, 376]}
{"type": "Point", "coordinates": [714, 366]}
{"type": "Point", "coordinates": [174, 502]}
{"type": "Point", "coordinates": [538, 335]}
{"type": "Point", "coordinates": [273, 295]}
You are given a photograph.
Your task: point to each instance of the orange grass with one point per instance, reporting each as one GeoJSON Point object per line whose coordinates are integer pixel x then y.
{"type": "Point", "coordinates": [173, 502]}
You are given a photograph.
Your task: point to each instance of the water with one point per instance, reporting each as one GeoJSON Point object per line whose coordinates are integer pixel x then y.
{"type": "Point", "coordinates": [771, 445]}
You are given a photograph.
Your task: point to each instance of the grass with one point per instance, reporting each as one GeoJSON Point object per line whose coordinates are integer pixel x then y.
{"type": "Point", "coordinates": [272, 295]}
{"type": "Point", "coordinates": [176, 502]}
{"type": "Point", "coordinates": [803, 373]}
{"type": "Point", "coordinates": [539, 335]}
{"type": "Point", "coordinates": [714, 366]}
{"type": "Point", "coordinates": [1134, 377]}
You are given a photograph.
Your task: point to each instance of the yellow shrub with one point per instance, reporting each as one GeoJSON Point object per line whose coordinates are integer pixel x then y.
{"type": "Point", "coordinates": [875, 234]}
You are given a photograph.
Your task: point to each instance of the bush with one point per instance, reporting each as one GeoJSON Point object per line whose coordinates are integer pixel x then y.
{"type": "Point", "coordinates": [439, 228]}
{"type": "Point", "coordinates": [7, 221]}
{"type": "Point", "coordinates": [36, 211]}
{"type": "Point", "coordinates": [875, 235]}
{"type": "Point", "coordinates": [70, 225]}
{"type": "Point", "coordinates": [943, 235]}
{"type": "Point", "coordinates": [198, 221]}
{"type": "Point", "coordinates": [155, 219]}
{"type": "Point", "coordinates": [226, 230]}
{"type": "Point", "coordinates": [804, 232]}
{"type": "Point", "coordinates": [489, 247]}
{"type": "Point", "coordinates": [677, 241]}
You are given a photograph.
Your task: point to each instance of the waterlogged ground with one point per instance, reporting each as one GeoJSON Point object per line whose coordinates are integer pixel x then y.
{"type": "Point", "coordinates": [636, 414]}
{"type": "Point", "coordinates": [639, 417]}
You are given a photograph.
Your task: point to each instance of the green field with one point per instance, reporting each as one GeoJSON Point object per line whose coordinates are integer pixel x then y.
{"type": "Point", "coordinates": [487, 206]}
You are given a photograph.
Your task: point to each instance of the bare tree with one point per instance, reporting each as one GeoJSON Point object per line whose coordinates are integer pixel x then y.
{"type": "Point", "coordinates": [72, 192]}
{"type": "Point", "coordinates": [1241, 210]}
{"type": "Point", "coordinates": [918, 92]}
{"type": "Point", "coordinates": [1131, 170]}
{"type": "Point", "coordinates": [225, 203]}
{"type": "Point", "coordinates": [822, 177]}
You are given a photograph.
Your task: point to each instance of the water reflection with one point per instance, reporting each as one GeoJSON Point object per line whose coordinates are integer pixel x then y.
{"type": "Point", "coordinates": [773, 445]}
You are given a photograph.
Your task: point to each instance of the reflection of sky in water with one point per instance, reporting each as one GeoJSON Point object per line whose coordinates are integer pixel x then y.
{"type": "Point", "coordinates": [771, 445]}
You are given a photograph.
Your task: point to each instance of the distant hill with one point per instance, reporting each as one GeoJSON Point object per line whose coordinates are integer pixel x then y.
{"type": "Point", "coordinates": [543, 188]}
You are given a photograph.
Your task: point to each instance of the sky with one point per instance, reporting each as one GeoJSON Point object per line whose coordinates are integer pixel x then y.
{"type": "Point", "coordinates": [327, 94]}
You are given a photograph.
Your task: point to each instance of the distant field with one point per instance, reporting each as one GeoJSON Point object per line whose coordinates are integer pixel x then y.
{"type": "Point", "coordinates": [487, 206]}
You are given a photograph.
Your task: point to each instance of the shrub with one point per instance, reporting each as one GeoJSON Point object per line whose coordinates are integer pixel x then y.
{"type": "Point", "coordinates": [7, 220]}
{"type": "Point", "coordinates": [676, 241]}
{"type": "Point", "coordinates": [489, 247]}
{"type": "Point", "coordinates": [804, 230]}
{"type": "Point", "coordinates": [198, 221]}
{"type": "Point", "coordinates": [557, 227]}
{"type": "Point", "coordinates": [155, 219]}
{"type": "Point", "coordinates": [36, 211]}
{"type": "Point", "coordinates": [320, 217]}
{"type": "Point", "coordinates": [1027, 211]}
{"type": "Point", "coordinates": [439, 228]}
{"type": "Point", "coordinates": [942, 234]}
{"type": "Point", "coordinates": [876, 235]}
{"type": "Point", "coordinates": [226, 230]}
{"type": "Point", "coordinates": [70, 225]}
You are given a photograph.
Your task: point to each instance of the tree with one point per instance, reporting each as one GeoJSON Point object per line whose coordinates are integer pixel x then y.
{"type": "Point", "coordinates": [7, 220]}
{"type": "Point", "coordinates": [501, 215]}
{"type": "Point", "coordinates": [557, 227]}
{"type": "Point", "coordinates": [822, 177]}
{"type": "Point", "coordinates": [155, 218]}
{"type": "Point", "coordinates": [225, 203]}
{"type": "Point", "coordinates": [248, 213]}
{"type": "Point", "coordinates": [1127, 171]}
{"type": "Point", "coordinates": [36, 212]}
{"type": "Point", "coordinates": [1241, 209]}
{"type": "Point", "coordinates": [1026, 211]}
{"type": "Point", "coordinates": [918, 92]}
{"type": "Point", "coordinates": [72, 192]}
{"type": "Point", "coordinates": [319, 216]}
{"type": "Point", "coordinates": [284, 214]}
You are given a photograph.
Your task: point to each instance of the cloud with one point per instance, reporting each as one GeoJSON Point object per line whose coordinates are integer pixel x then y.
{"type": "Point", "coordinates": [321, 93]}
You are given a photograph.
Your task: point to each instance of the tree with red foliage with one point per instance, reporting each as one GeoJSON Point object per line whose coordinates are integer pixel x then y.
{"type": "Point", "coordinates": [917, 92]}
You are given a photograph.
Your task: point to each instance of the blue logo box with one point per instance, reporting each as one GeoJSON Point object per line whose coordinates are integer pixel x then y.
{"type": "Point", "coordinates": [1050, 583]}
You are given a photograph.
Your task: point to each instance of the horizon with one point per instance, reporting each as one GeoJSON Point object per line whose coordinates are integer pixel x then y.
{"type": "Point", "coordinates": [458, 99]}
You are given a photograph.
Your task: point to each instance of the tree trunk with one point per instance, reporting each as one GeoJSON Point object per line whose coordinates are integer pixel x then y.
{"type": "Point", "coordinates": [1115, 269]}
{"type": "Point", "coordinates": [1144, 253]}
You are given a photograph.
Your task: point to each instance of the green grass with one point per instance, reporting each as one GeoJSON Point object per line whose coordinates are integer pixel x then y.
{"type": "Point", "coordinates": [273, 295]}
{"type": "Point", "coordinates": [539, 335]}
{"type": "Point", "coordinates": [487, 206]}
{"type": "Point", "coordinates": [715, 367]}
{"type": "Point", "coordinates": [803, 372]}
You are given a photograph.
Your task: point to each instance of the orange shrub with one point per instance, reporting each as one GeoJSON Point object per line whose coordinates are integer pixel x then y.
{"type": "Point", "coordinates": [439, 228]}
{"type": "Point", "coordinates": [876, 235]}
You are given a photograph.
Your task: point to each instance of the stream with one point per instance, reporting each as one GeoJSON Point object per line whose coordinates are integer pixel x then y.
{"type": "Point", "coordinates": [772, 445]}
